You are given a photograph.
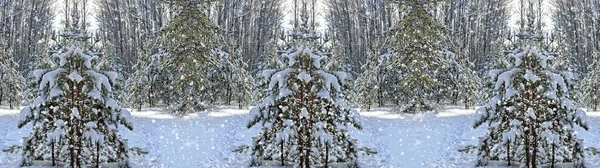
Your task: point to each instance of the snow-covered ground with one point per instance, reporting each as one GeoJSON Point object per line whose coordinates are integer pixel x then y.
{"type": "Point", "coordinates": [206, 139]}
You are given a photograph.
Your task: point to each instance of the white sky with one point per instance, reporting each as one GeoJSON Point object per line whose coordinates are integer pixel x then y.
{"type": "Point", "coordinates": [547, 18]}
{"type": "Point", "coordinates": [60, 15]}
{"type": "Point", "coordinates": [288, 12]}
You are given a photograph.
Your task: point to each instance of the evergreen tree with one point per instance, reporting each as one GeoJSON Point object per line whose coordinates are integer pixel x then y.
{"type": "Point", "coordinates": [267, 63]}
{"type": "Point", "coordinates": [469, 85]}
{"type": "Point", "coordinates": [142, 82]}
{"type": "Point", "coordinates": [75, 116]}
{"type": "Point", "coordinates": [189, 40]}
{"type": "Point", "coordinates": [12, 82]}
{"type": "Point", "coordinates": [590, 86]}
{"type": "Point", "coordinates": [137, 85]}
{"type": "Point", "coordinates": [367, 85]}
{"type": "Point", "coordinates": [112, 63]}
{"type": "Point", "coordinates": [419, 42]}
{"type": "Point", "coordinates": [38, 61]}
{"type": "Point", "coordinates": [243, 83]}
{"type": "Point", "coordinates": [464, 84]}
{"type": "Point", "coordinates": [237, 82]}
{"type": "Point", "coordinates": [371, 83]}
{"type": "Point", "coordinates": [339, 63]}
{"type": "Point", "coordinates": [530, 114]}
{"type": "Point", "coordinates": [304, 116]}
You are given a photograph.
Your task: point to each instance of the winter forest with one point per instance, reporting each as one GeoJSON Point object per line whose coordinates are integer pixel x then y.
{"type": "Point", "coordinates": [300, 83]}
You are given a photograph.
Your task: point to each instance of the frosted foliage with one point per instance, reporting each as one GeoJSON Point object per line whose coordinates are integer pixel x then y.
{"type": "Point", "coordinates": [278, 79]}
{"type": "Point", "coordinates": [590, 86]}
{"type": "Point", "coordinates": [303, 100]}
{"type": "Point", "coordinates": [49, 79]}
{"type": "Point", "coordinates": [509, 112]}
{"type": "Point", "coordinates": [74, 76]}
{"type": "Point", "coordinates": [304, 77]}
{"type": "Point", "coordinates": [74, 108]}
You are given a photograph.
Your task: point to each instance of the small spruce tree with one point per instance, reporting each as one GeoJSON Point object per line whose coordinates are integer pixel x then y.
{"type": "Point", "coordinates": [531, 113]}
{"type": "Point", "coordinates": [75, 116]}
{"type": "Point", "coordinates": [189, 40]}
{"type": "Point", "coordinates": [304, 116]}
{"type": "Point", "coordinates": [590, 86]}
{"type": "Point", "coordinates": [419, 41]}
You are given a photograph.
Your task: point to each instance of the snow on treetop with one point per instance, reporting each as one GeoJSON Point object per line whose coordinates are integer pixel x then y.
{"type": "Point", "coordinates": [100, 80]}
{"type": "Point", "coordinates": [529, 75]}
{"type": "Point", "coordinates": [74, 76]}
{"type": "Point", "coordinates": [63, 56]}
{"type": "Point", "coordinates": [292, 56]}
{"type": "Point", "coordinates": [304, 77]}
{"type": "Point", "coordinates": [316, 59]}
{"type": "Point", "coordinates": [505, 78]}
{"type": "Point", "coordinates": [49, 79]}
{"type": "Point", "coordinates": [519, 56]}
{"type": "Point", "coordinates": [543, 58]}
{"type": "Point", "coordinates": [86, 58]}
{"type": "Point", "coordinates": [330, 80]}
{"type": "Point", "coordinates": [267, 73]}
{"type": "Point", "coordinates": [279, 78]}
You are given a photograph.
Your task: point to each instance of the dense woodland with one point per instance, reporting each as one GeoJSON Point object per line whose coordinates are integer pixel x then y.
{"type": "Point", "coordinates": [192, 55]}
{"type": "Point", "coordinates": [360, 30]}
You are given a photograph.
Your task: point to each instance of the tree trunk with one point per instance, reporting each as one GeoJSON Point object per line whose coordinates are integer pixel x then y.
{"type": "Point", "coordinates": [1, 93]}
{"type": "Point", "coordinates": [508, 153]}
{"type": "Point", "coordinates": [10, 101]}
{"type": "Point", "coordinates": [229, 90]}
{"type": "Point", "coordinates": [535, 144]}
{"type": "Point", "coordinates": [53, 158]}
{"type": "Point", "coordinates": [97, 156]}
{"type": "Point", "coordinates": [466, 103]}
{"type": "Point", "coordinates": [282, 157]}
{"type": "Point", "coordinates": [527, 156]}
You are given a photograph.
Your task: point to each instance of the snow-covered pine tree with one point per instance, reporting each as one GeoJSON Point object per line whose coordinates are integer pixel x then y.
{"type": "Point", "coordinates": [37, 61]}
{"type": "Point", "coordinates": [75, 117]}
{"type": "Point", "coordinates": [464, 84]}
{"type": "Point", "coordinates": [141, 83]}
{"type": "Point", "coordinates": [530, 114]}
{"type": "Point", "coordinates": [304, 116]}
{"type": "Point", "coordinates": [12, 82]}
{"type": "Point", "coordinates": [267, 62]}
{"type": "Point", "coordinates": [110, 62]}
{"type": "Point", "coordinates": [243, 83]}
{"type": "Point", "coordinates": [370, 83]}
{"type": "Point", "coordinates": [189, 40]}
{"type": "Point", "coordinates": [590, 85]}
{"type": "Point", "coordinates": [339, 63]}
{"type": "Point", "coordinates": [418, 41]}
{"type": "Point", "coordinates": [367, 85]}
{"type": "Point", "coordinates": [236, 81]}
{"type": "Point", "coordinates": [138, 86]}
{"type": "Point", "coordinates": [469, 85]}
